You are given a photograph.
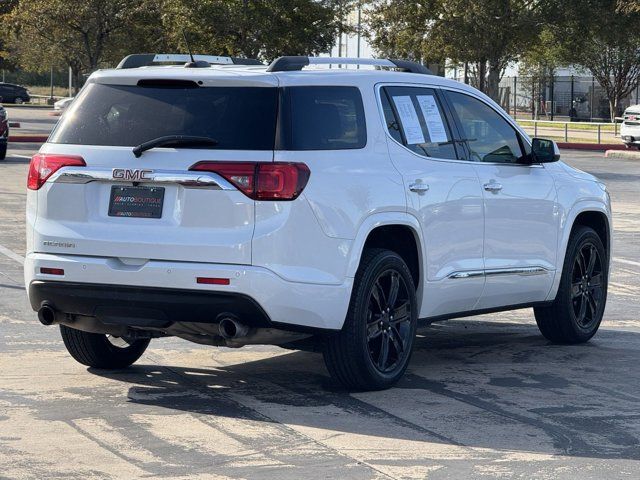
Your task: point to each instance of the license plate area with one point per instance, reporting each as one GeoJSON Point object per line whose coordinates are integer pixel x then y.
{"type": "Point", "coordinates": [136, 202]}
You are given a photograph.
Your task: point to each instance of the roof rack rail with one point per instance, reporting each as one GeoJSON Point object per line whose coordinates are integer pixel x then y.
{"type": "Point", "coordinates": [137, 60]}
{"type": "Point", "coordinates": [293, 63]}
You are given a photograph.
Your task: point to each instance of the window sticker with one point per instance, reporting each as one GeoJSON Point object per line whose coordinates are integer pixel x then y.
{"type": "Point", "coordinates": [435, 125]}
{"type": "Point", "coordinates": [409, 119]}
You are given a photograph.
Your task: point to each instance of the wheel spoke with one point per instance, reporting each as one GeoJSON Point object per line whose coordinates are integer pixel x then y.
{"type": "Point", "coordinates": [378, 297]}
{"type": "Point", "coordinates": [393, 290]}
{"type": "Point", "coordinates": [581, 263]}
{"type": "Point", "coordinates": [575, 290]}
{"type": "Point", "coordinates": [373, 330]}
{"type": "Point", "coordinates": [383, 356]}
{"type": "Point", "coordinates": [596, 280]}
{"type": "Point", "coordinates": [593, 255]}
{"type": "Point", "coordinates": [398, 342]}
{"type": "Point", "coordinates": [593, 306]}
{"type": "Point", "coordinates": [583, 309]}
{"type": "Point", "coordinates": [401, 314]}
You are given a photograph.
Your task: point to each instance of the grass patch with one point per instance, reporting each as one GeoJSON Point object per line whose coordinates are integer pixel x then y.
{"type": "Point", "coordinates": [57, 91]}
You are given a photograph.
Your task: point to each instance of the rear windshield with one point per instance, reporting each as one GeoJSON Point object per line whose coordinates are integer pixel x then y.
{"type": "Point", "coordinates": [239, 118]}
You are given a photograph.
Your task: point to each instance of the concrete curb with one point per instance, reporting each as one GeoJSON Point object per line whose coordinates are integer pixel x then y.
{"type": "Point", "coordinates": [626, 154]}
{"type": "Point", "coordinates": [28, 138]}
{"type": "Point", "coordinates": [27, 105]}
{"type": "Point", "coordinates": [599, 147]}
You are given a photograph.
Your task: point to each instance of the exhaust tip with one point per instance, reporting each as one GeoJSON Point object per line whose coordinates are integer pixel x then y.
{"type": "Point", "coordinates": [47, 315]}
{"type": "Point", "coordinates": [230, 328]}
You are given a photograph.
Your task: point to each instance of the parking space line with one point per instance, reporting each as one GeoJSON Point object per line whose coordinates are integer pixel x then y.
{"type": "Point", "coordinates": [628, 262]}
{"type": "Point", "coordinates": [12, 255]}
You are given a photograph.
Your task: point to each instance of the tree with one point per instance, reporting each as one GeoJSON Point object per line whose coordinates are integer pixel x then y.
{"type": "Point", "coordinates": [81, 34]}
{"type": "Point", "coordinates": [5, 8]}
{"type": "Point", "coordinates": [254, 29]}
{"type": "Point", "coordinates": [604, 40]}
{"type": "Point", "coordinates": [486, 34]}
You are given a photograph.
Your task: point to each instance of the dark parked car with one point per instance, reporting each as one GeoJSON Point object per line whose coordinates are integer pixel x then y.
{"type": "Point", "coordinates": [10, 93]}
{"type": "Point", "coordinates": [4, 132]}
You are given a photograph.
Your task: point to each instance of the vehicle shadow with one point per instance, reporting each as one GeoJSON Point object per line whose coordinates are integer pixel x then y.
{"type": "Point", "coordinates": [499, 386]}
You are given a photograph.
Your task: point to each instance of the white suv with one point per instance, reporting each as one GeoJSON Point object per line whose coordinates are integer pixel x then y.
{"type": "Point", "coordinates": [630, 128]}
{"type": "Point", "coordinates": [313, 208]}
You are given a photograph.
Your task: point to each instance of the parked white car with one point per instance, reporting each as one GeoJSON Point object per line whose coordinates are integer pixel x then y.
{"type": "Point", "coordinates": [62, 104]}
{"type": "Point", "coordinates": [326, 209]}
{"type": "Point", "coordinates": [630, 128]}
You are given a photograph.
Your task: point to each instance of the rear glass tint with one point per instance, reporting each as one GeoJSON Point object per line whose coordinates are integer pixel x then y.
{"type": "Point", "coordinates": [324, 118]}
{"type": "Point", "coordinates": [239, 118]}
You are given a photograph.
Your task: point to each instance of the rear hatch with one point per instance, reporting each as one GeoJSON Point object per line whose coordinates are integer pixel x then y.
{"type": "Point", "coordinates": [153, 206]}
{"type": "Point", "coordinates": [632, 116]}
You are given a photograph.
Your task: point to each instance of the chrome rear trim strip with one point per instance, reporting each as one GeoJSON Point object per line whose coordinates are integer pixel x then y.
{"type": "Point", "coordinates": [82, 175]}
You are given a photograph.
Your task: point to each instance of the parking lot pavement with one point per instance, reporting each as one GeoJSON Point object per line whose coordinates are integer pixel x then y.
{"type": "Point", "coordinates": [485, 396]}
{"type": "Point", "coordinates": [33, 120]}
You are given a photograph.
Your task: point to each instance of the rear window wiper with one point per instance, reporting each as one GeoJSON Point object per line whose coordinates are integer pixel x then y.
{"type": "Point", "coordinates": [168, 140]}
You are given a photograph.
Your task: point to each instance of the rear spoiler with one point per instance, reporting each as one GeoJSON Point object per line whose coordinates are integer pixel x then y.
{"type": "Point", "coordinates": [138, 60]}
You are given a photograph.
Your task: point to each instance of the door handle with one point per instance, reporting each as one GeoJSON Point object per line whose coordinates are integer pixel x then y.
{"type": "Point", "coordinates": [419, 187]}
{"type": "Point", "coordinates": [493, 187]}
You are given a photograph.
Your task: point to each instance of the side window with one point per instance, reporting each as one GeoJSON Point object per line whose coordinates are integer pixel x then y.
{"type": "Point", "coordinates": [423, 125]}
{"type": "Point", "coordinates": [325, 118]}
{"type": "Point", "coordinates": [489, 136]}
{"type": "Point", "coordinates": [393, 127]}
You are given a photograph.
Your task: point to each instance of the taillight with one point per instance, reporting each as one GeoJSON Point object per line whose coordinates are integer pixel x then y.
{"type": "Point", "coordinates": [262, 180]}
{"type": "Point", "coordinates": [43, 165]}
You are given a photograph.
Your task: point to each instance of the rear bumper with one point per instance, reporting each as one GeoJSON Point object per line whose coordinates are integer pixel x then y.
{"type": "Point", "coordinates": [144, 306]}
{"type": "Point", "coordinates": [169, 290]}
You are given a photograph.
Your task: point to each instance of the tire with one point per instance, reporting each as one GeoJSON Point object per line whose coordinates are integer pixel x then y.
{"type": "Point", "coordinates": [18, 101]}
{"type": "Point", "coordinates": [349, 354]}
{"type": "Point", "coordinates": [99, 351]}
{"type": "Point", "coordinates": [576, 313]}
{"type": "Point", "coordinates": [3, 151]}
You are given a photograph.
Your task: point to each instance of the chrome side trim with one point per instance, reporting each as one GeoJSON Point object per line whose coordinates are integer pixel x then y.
{"type": "Point", "coordinates": [467, 274]}
{"type": "Point", "coordinates": [524, 272]}
{"type": "Point", "coordinates": [83, 175]}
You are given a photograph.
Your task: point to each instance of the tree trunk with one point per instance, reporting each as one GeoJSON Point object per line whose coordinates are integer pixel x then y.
{"type": "Point", "coordinates": [613, 107]}
{"type": "Point", "coordinates": [482, 76]}
{"type": "Point", "coordinates": [76, 75]}
{"type": "Point", "coordinates": [493, 81]}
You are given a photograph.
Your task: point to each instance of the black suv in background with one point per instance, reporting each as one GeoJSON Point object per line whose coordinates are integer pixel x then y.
{"type": "Point", "coordinates": [10, 93]}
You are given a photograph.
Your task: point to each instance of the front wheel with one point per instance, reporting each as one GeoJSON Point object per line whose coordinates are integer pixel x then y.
{"type": "Point", "coordinates": [102, 351]}
{"type": "Point", "coordinates": [374, 347]}
{"type": "Point", "coordinates": [576, 313]}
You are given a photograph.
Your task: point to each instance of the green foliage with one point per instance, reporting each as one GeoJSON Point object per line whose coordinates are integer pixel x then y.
{"type": "Point", "coordinates": [81, 34]}
{"type": "Point", "coordinates": [487, 34]}
{"type": "Point", "coordinates": [255, 29]}
{"type": "Point", "coordinates": [91, 34]}
{"type": "Point", "coordinates": [604, 40]}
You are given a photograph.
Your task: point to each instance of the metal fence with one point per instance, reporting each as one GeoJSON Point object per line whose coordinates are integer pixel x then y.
{"type": "Point", "coordinates": [572, 98]}
{"type": "Point", "coordinates": [562, 97]}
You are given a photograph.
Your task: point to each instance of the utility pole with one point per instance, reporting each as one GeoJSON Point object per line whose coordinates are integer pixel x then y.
{"type": "Point", "coordinates": [359, 28]}
{"type": "Point", "coordinates": [515, 96]}
{"type": "Point", "coordinates": [51, 95]}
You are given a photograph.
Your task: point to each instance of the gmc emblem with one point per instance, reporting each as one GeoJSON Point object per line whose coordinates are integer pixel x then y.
{"type": "Point", "coordinates": [134, 175]}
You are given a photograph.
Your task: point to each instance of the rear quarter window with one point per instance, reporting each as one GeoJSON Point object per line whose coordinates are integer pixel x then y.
{"type": "Point", "coordinates": [324, 118]}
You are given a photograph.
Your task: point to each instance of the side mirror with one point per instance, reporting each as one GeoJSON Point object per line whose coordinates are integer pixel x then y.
{"type": "Point", "coordinates": [544, 151]}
